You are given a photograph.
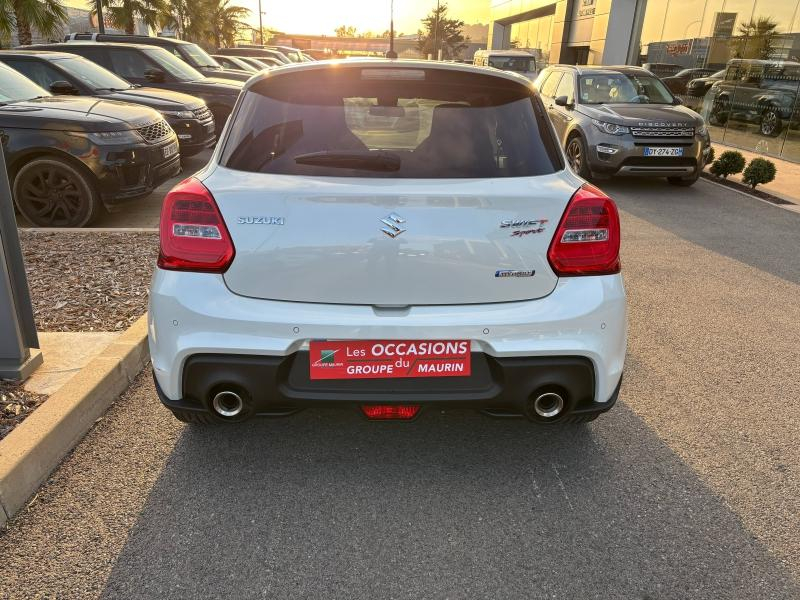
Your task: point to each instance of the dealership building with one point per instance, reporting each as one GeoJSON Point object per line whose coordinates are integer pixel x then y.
{"type": "Point", "coordinates": [672, 35]}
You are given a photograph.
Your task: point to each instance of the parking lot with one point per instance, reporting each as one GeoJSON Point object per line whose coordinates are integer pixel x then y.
{"type": "Point", "coordinates": [688, 488]}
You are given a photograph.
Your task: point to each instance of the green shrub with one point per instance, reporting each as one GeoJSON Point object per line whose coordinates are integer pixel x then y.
{"type": "Point", "coordinates": [760, 170]}
{"type": "Point", "coordinates": [711, 156]}
{"type": "Point", "coordinates": [730, 162]}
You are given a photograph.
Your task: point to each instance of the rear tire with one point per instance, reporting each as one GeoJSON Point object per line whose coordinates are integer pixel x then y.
{"type": "Point", "coordinates": [194, 417]}
{"type": "Point", "coordinates": [51, 192]}
{"type": "Point", "coordinates": [578, 156]}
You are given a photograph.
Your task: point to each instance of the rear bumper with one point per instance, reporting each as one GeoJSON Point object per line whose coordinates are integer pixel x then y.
{"type": "Point", "coordinates": [278, 386]}
{"type": "Point", "coordinates": [194, 315]}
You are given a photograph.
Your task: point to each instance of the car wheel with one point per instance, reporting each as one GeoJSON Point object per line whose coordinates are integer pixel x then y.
{"type": "Point", "coordinates": [684, 182]}
{"type": "Point", "coordinates": [771, 123]}
{"type": "Point", "coordinates": [578, 157]}
{"type": "Point", "coordinates": [51, 192]}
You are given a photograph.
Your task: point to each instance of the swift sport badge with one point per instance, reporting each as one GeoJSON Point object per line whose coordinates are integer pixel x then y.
{"type": "Point", "coordinates": [523, 227]}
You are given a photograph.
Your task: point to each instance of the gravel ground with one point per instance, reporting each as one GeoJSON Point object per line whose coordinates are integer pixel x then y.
{"type": "Point", "coordinates": [15, 404]}
{"type": "Point", "coordinates": [88, 281]}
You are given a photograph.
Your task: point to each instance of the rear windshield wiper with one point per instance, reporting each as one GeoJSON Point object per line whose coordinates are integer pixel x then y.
{"type": "Point", "coordinates": [368, 161]}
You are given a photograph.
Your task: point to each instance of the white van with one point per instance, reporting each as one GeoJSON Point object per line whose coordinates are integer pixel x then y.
{"type": "Point", "coordinates": [517, 61]}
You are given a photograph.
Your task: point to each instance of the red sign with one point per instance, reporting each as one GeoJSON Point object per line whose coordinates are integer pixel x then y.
{"type": "Point", "coordinates": [379, 359]}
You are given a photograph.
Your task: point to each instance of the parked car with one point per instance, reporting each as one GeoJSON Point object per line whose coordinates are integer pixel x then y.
{"type": "Point", "coordinates": [189, 52]}
{"type": "Point", "coordinates": [516, 61]}
{"type": "Point", "coordinates": [763, 92]}
{"type": "Point", "coordinates": [72, 75]}
{"type": "Point", "coordinates": [234, 62]}
{"type": "Point", "coordinates": [68, 157]}
{"type": "Point", "coordinates": [677, 83]}
{"type": "Point", "coordinates": [255, 53]}
{"type": "Point", "coordinates": [467, 266]}
{"type": "Point", "coordinates": [698, 88]}
{"type": "Point", "coordinates": [662, 69]}
{"type": "Point", "coordinates": [262, 62]}
{"type": "Point", "coordinates": [155, 67]}
{"type": "Point", "coordinates": [623, 121]}
{"type": "Point", "coordinates": [293, 55]}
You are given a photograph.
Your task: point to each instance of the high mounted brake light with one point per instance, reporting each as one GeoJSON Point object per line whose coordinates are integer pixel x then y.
{"type": "Point", "coordinates": [193, 233]}
{"type": "Point", "coordinates": [588, 236]}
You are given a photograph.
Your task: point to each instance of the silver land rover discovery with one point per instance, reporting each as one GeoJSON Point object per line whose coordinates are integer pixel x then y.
{"type": "Point", "coordinates": [623, 121]}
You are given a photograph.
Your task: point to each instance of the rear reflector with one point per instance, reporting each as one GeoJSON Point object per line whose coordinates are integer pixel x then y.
{"type": "Point", "coordinates": [193, 233]}
{"type": "Point", "coordinates": [588, 237]}
{"type": "Point", "coordinates": [385, 412]}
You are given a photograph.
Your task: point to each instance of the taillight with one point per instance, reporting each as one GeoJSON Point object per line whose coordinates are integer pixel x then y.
{"type": "Point", "coordinates": [385, 412]}
{"type": "Point", "coordinates": [193, 233]}
{"type": "Point", "coordinates": [587, 239]}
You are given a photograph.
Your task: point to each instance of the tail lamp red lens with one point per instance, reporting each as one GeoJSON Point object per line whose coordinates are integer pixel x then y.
{"type": "Point", "coordinates": [385, 412]}
{"type": "Point", "coordinates": [193, 232]}
{"type": "Point", "coordinates": [588, 236]}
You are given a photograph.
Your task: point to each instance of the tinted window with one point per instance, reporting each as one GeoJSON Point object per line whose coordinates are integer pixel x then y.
{"type": "Point", "coordinates": [549, 86]}
{"type": "Point", "coordinates": [15, 87]}
{"type": "Point", "coordinates": [91, 75]}
{"type": "Point", "coordinates": [38, 72]}
{"type": "Point", "coordinates": [129, 63]}
{"type": "Point", "coordinates": [406, 123]}
{"type": "Point", "coordinates": [519, 64]}
{"type": "Point", "coordinates": [566, 87]}
{"type": "Point", "coordinates": [173, 65]}
{"type": "Point", "coordinates": [196, 56]}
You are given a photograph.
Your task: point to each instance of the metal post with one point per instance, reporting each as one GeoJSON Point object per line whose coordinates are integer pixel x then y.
{"type": "Point", "coordinates": [260, 24]}
{"type": "Point", "coordinates": [98, 7]}
{"type": "Point", "coordinates": [391, 53]}
{"type": "Point", "coordinates": [436, 34]}
{"type": "Point", "coordinates": [17, 327]}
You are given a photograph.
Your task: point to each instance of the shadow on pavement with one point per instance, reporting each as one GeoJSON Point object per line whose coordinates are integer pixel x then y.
{"type": "Point", "coordinates": [326, 505]}
{"type": "Point", "coordinates": [718, 219]}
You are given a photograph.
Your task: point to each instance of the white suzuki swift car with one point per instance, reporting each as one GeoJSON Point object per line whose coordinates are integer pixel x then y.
{"type": "Point", "coordinates": [392, 236]}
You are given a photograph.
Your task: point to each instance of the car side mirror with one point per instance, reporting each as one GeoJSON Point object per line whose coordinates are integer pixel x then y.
{"type": "Point", "coordinates": [63, 88]}
{"type": "Point", "coordinates": [564, 101]}
{"type": "Point", "coordinates": [676, 101]}
{"type": "Point", "coordinates": [154, 75]}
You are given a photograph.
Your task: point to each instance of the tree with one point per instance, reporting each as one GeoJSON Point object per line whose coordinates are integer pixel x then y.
{"type": "Point", "coordinates": [756, 39]}
{"type": "Point", "coordinates": [441, 33]}
{"type": "Point", "coordinates": [345, 31]}
{"type": "Point", "coordinates": [227, 21]}
{"type": "Point", "coordinates": [45, 16]}
{"type": "Point", "coordinates": [123, 14]}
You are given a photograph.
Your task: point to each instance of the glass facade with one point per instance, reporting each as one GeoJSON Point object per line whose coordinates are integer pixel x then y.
{"type": "Point", "coordinates": [737, 62]}
{"type": "Point", "coordinates": [535, 36]}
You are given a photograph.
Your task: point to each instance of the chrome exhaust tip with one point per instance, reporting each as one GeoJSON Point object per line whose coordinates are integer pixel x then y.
{"type": "Point", "coordinates": [549, 405]}
{"type": "Point", "coordinates": [227, 404]}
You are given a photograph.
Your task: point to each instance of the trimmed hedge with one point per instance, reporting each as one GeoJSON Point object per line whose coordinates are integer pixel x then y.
{"type": "Point", "coordinates": [730, 162]}
{"type": "Point", "coordinates": [760, 170]}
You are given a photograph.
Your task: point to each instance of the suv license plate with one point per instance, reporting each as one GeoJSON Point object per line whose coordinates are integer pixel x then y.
{"type": "Point", "coordinates": [389, 359]}
{"type": "Point", "coordinates": [170, 150]}
{"type": "Point", "coordinates": [663, 151]}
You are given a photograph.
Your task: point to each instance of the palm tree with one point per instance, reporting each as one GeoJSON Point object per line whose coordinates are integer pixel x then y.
{"type": "Point", "coordinates": [124, 13]}
{"type": "Point", "coordinates": [46, 16]}
{"type": "Point", "coordinates": [227, 20]}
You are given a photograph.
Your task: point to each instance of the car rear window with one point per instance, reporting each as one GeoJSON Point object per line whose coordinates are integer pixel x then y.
{"type": "Point", "coordinates": [391, 122]}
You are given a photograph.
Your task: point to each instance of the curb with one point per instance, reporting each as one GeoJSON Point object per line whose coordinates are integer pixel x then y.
{"type": "Point", "coordinates": [33, 449]}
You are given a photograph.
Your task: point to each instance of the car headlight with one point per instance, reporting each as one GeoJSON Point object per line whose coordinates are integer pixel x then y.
{"type": "Point", "coordinates": [702, 130]}
{"type": "Point", "coordinates": [127, 136]}
{"type": "Point", "coordinates": [178, 114]}
{"type": "Point", "coordinates": [611, 128]}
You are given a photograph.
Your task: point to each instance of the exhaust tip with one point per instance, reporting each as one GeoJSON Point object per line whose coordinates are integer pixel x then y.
{"type": "Point", "coordinates": [548, 405]}
{"type": "Point", "coordinates": [227, 404]}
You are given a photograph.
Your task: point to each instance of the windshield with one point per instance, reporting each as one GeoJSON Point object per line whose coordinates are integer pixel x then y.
{"type": "Point", "coordinates": [622, 88]}
{"type": "Point", "coordinates": [174, 65]}
{"type": "Point", "coordinates": [718, 74]}
{"type": "Point", "coordinates": [429, 124]}
{"type": "Point", "coordinates": [519, 64]}
{"type": "Point", "coordinates": [197, 57]}
{"type": "Point", "coordinates": [15, 87]}
{"type": "Point", "coordinates": [92, 74]}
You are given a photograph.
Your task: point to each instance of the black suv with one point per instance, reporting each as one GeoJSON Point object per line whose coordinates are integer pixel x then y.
{"type": "Point", "coordinates": [190, 52]}
{"type": "Point", "coordinates": [67, 157]}
{"type": "Point", "coordinates": [68, 74]}
{"type": "Point", "coordinates": [155, 67]}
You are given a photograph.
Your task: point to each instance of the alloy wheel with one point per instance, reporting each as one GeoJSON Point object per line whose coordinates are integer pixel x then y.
{"type": "Point", "coordinates": [51, 196]}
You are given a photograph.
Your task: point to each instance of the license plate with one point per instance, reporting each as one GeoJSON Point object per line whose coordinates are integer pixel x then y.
{"type": "Point", "coordinates": [663, 151]}
{"type": "Point", "coordinates": [389, 359]}
{"type": "Point", "coordinates": [170, 150]}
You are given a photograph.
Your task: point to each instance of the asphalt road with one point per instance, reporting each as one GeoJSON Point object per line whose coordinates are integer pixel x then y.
{"type": "Point", "coordinates": [688, 489]}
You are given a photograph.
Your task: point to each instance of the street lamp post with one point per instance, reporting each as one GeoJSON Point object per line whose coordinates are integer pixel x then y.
{"type": "Point", "coordinates": [98, 7]}
{"type": "Point", "coordinates": [260, 24]}
{"type": "Point", "coordinates": [391, 53]}
{"type": "Point", "coordinates": [436, 34]}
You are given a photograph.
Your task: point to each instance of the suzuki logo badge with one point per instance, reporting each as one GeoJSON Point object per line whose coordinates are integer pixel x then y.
{"type": "Point", "coordinates": [393, 225]}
